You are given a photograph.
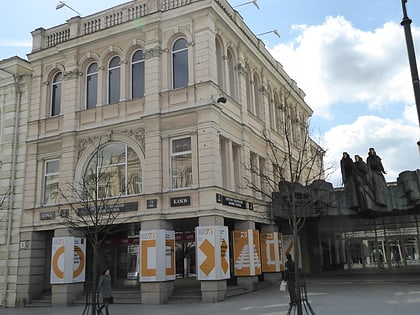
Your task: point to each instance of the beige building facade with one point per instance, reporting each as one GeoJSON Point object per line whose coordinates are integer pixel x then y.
{"type": "Point", "coordinates": [177, 96]}
{"type": "Point", "coordinates": [15, 84]}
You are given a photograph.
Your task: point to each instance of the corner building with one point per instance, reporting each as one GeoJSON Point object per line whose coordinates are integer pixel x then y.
{"type": "Point", "coordinates": [177, 94]}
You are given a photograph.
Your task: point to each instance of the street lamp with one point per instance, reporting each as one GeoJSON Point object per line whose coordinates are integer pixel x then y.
{"type": "Point", "coordinates": [406, 21]}
{"type": "Point", "coordinates": [254, 2]}
{"type": "Point", "coordinates": [272, 31]}
{"type": "Point", "coordinates": [62, 4]}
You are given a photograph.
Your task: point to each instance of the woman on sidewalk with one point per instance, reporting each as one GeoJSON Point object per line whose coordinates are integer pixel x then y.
{"type": "Point", "coordinates": [105, 289]}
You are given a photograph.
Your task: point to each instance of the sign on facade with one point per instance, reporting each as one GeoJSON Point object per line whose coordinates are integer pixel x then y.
{"type": "Point", "coordinates": [157, 252]}
{"type": "Point", "coordinates": [246, 251]}
{"type": "Point", "coordinates": [212, 246]}
{"type": "Point", "coordinates": [68, 260]}
{"type": "Point", "coordinates": [272, 252]}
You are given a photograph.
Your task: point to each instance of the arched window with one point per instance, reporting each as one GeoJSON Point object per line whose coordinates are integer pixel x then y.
{"type": "Point", "coordinates": [180, 63]}
{"type": "Point", "coordinates": [219, 61]}
{"type": "Point", "coordinates": [231, 73]}
{"type": "Point", "coordinates": [114, 74]}
{"type": "Point", "coordinates": [137, 74]}
{"type": "Point", "coordinates": [113, 171]}
{"type": "Point", "coordinates": [56, 94]}
{"type": "Point", "coordinates": [92, 86]}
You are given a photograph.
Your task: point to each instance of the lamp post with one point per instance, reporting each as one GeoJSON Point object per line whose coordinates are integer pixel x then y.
{"type": "Point", "coordinates": [272, 31]}
{"type": "Point", "coordinates": [406, 21]}
{"type": "Point", "coordinates": [62, 4]}
{"type": "Point", "coordinates": [254, 2]}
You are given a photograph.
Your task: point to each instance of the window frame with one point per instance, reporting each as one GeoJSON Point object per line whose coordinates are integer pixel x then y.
{"type": "Point", "coordinates": [142, 74]}
{"type": "Point", "coordinates": [113, 168]}
{"type": "Point", "coordinates": [56, 181]}
{"type": "Point", "coordinates": [89, 75]}
{"type": "Point", "coordinates": [110, 80]}
{"type": "Point", "coordinates": [180, 80]}
{"type": "Point", "coordinates": [187, 177]}
{"type": "Point", "coordinates": [56, 94]}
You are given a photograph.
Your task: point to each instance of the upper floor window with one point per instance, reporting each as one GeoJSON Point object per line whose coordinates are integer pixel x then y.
{"type": "Point", "coordinates": [51, 178]}
{"type": "Point", "coordinates": [113, 171]}
{"type": "Point", "coordinates": [137, 74]}
{"type": "Point", "coordinates": [231, 73]}
{"type": "Point", "coordinates": [92, 86]}
{"type": "Point", "coordinates": [180, 63]}
{"type": "Point", "coordinates": [181, 163]}
{"type": "Point", "coordinates": [56, 94]}
{"type": "Point", "coordinates": [114, 76]}
{"type": "Point", "coordinates": [219, 61]}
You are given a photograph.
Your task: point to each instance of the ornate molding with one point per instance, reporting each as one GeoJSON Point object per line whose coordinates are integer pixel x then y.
{"type": "Point", "coordinates": [152, 52]}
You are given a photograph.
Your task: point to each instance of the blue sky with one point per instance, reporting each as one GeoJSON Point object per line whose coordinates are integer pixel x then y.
{"type": "Point", "coordinates": [349, 56]}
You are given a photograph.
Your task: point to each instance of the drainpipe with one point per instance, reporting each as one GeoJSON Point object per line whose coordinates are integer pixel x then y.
{"type": "Point", "coordinates": [12, 185]}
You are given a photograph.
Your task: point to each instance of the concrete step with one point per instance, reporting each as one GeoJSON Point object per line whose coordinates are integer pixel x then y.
{"type": "Point", "coordinates": [43, 300]}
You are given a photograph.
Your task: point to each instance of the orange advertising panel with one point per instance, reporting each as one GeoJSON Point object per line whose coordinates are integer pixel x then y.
{"type": "Point", "coordinates": [246, 251]}
{"type": "Point", "coordinates": [170, 256]}
{"type": "Point", "coordinates": [148, 264]}
{"type": "Point", "coordinates": [271, 252]}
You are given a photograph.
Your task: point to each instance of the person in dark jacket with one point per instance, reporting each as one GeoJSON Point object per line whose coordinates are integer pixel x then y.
{"type": "Point", "coordinates": [289, 274]}
{"type": "Point", "coordinates": [105, 289]}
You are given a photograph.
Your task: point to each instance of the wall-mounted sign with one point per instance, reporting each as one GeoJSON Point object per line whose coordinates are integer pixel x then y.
{"type": "Point", "coordinates": [231, 202]}
{"type": "Point", "coordinates": [118, 207]}
{"type": "Point", "coordinates": [151, 203]}
{"type": "Point", "coordinates": [49, 215]}
{"type": "Point", "coordinates": [180, 201]}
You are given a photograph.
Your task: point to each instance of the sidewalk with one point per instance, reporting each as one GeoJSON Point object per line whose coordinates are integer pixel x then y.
{"type": "Point", "coordinates": [336, 295]}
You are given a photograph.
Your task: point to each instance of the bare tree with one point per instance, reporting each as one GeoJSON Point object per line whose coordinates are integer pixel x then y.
{"type": "Point", "coordinates": [3, 201]}
{"type": "Point", "coordinates": [93, 209]}
{"type": "Point", "coordinates": [296, 163]}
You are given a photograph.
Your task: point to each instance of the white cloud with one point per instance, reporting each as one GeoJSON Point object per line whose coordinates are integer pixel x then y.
{"type": "Point", "coordinates": [336, 62]}
{"type": "Point", "coordinates": [338, 65]}
{"type": "Point", "coordinates": [394, 141]}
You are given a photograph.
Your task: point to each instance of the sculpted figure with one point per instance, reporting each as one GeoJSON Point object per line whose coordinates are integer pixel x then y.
{"type": "Point", "coordinates": [377, 177]}
{"type": "Point", "coordinates": [347, 174]}
{"type": "Point", "coordinates": [363, 189]}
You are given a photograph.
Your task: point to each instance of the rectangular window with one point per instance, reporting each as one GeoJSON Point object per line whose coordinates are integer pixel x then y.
{"type": "Point", "coordinates": [138, 80]}
{"type": "Point", "coordinates": [181, 163]}
{"type": "Point", "coordinates": [51, 191]}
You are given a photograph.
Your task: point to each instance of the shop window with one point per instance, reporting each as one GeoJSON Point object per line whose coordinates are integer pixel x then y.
{"type": "Point", "coordinates": [114, 77]}
{"type": "Point", "coordinates": [115, 170]}
{"type": "Point", "coordinates": [56, 94]}
{"type": "Point", "coordinates": [180, 63]}
{"type": "Point", "coordinates": [92, 86]}
{"type": "Point", "coordinates": [51, 178]}
{"type": "Point", "coordinates": [137, 74]}
{"type": "Point", "coordinates": [181, 163]}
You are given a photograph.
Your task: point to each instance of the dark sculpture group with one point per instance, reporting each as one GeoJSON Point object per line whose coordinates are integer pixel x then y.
{"type": "Point", "coordinates": [364, 182]}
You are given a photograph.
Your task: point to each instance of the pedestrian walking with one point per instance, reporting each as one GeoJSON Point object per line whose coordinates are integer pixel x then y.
{"type": "Point", "coordinates": [289, 275]}
{"type": "Point", "coordinates": [105, 289]}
